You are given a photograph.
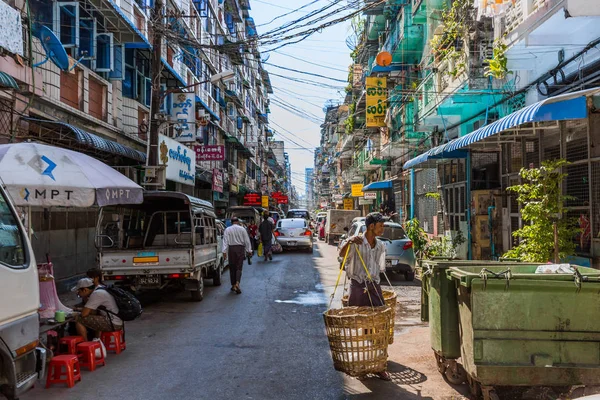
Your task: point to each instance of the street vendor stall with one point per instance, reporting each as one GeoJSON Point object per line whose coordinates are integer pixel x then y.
{"type": "Point", "coordinates": [41, 176]}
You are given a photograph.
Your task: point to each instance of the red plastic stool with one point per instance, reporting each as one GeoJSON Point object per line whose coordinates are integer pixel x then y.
{"type": "Point", "coordinates": [71, 375]}
{"type": "Point", "coordinates": [114, 341]}
{"type": "Point", "coordinates": [86, 352]}
{"type": "Point", "coordinates": [71, 343]}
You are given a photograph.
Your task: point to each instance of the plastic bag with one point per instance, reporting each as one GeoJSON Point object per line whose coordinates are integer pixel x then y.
{"type": "Point", "coordinates": [260, 249]}
{"type": "Point", "coordinates": [555, 269]}
{"type": "Point", "coordinates": [101, 349]}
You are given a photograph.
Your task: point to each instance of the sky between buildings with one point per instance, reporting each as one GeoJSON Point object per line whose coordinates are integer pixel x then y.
{"type": "Point", "coordinates": [327, 48]}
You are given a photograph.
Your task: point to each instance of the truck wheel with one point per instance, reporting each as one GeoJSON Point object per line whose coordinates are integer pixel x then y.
{"type": "Point", "coordinates": [217, 275]}
{"type": "Point", "coordinates": [409, 276]}
{"type": "Point", "coordinates": [198, 295]}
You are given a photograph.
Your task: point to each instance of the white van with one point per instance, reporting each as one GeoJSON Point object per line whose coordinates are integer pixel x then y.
{"type": "Point", "coordinates": [20, 358]}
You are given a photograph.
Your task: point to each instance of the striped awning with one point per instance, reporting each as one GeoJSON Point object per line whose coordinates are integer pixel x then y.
{"type": "Point", "coordinates": [94, 141]}
{"type": "Point", "coordinates": [559, 108]}
{"type": "Point", "coordinates": [7, 81]}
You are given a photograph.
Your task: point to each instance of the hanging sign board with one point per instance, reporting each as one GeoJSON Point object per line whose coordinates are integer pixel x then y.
{"type": "Point", "coordinates": [364, 202]}
{"type": "Point", "coordinates": [376, 102]}
{"type": "Point", "coordinates": [218, 180]}
{"type": "Point", "coordinates": [357, 190]}
{"type": "Point", "coordinates": [180, 161]}
{"type": "Point", "coordinates": [265, 202]}
{"type": "Point", "coordinates": [283, 199]}
{"type": "Point", "coordinates": [370, 195]}
{"type": "Point", "coordinates": [348, 204]}
{"type": "Point", "coordinates": [253, 199]}
{"type": "Point", "coordinates": [209, 153]}
{"type": "Point", "coordinates": [183, 111]}
{"type": "Point", "coordinates": [338, 197]}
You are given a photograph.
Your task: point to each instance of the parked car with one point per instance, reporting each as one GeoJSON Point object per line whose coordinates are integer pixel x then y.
{"type": "Point", "coordinates": [294, 233]}
{"type": "Point", "coordinates": [399, 252]}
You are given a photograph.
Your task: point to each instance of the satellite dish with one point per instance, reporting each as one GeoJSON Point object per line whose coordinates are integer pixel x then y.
{"type": "Point", "coordinates": [55, 51]}
{"type": "Point", "coordinates": [384, 59]}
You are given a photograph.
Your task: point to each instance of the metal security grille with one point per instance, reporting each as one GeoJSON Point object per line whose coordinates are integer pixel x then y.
{"type": "Point", "coordinates": [583, 240]}
{"type": "Point", "coordinates": [6, 117]}
{"type": "Point", "coordinates": [426, 182]}
{"type": "Point", "coordinates": [575, 137]}
{"type": "Point", "coordinates": [550, 139]}
{"type": "Point", "coordinates": [532, 153]}
{"type": "Point", "coordinates": [577, 185]}
{"type": "Point", "coordinates": [595, 228]}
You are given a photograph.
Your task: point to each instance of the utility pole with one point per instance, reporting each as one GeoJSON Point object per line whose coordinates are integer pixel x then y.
{"type": "Point", "coordinates": [156, 67]}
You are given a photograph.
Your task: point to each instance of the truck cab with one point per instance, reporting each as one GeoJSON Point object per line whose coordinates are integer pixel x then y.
{"type": "Point", "coordinates": [171, 239]}
{"type": "Point", "coordinates": [20, 358]}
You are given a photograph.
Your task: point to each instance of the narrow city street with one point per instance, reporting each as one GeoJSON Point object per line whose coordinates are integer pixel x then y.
{"type": "Point", "coordinates": [267, 343]}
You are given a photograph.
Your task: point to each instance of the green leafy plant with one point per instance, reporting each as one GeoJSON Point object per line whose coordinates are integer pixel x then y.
{"type": "Point", "coordinates": [418, 236]}
{"type": "Point", "coordinates": [446, 246]}
{"type": "Point", "coordinates": [455, 23]}
{"type": "Point", "coordinates": [498, 64]}
{"type": "Point", "coordinates": [542, 206]}
{"type": "Point", "coordinates": [351, 120]}
{"type": "Point", "coordinates": [433, 195]}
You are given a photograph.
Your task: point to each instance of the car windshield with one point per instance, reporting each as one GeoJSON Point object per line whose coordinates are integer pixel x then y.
{"type": "Point", "coordinates": [393, 233]}
{"type": "Point", "coordinates": [292, 223]}
{"type": "Point", "coordinates": [297, 214]}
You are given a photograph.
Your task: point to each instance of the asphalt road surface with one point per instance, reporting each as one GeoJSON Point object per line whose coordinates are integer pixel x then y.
{"type": "Point", "coordinates": [267, 343]}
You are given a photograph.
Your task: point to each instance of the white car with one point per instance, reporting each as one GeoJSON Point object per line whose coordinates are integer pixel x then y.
{"type": "Point", "coordinates": [294, 233]}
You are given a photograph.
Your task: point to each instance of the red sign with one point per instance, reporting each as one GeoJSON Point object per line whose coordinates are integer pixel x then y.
{"type": "Point", "coordinates": [218, 180]}
{"type": "Point", "coordinates": [276, 195]}
{"type": "Point", "coordinates": [209, 153]}
{"type": "Point", "coordinates": [253, 199]}
{"type": "Point", "coordinates": [282, 199]}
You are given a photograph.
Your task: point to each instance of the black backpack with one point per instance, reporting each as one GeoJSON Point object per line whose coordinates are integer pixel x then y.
{"type": "Point", "coordinates": [129, 306]}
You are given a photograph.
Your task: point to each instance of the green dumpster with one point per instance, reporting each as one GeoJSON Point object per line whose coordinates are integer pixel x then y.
{"type": "Point", "coordinates": [519, 328]}
{"type": "Point", "coordinates": [439, 306]}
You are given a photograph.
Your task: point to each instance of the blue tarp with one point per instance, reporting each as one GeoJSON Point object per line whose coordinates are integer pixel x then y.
{"type": "Point", "coordinates": [379, 185]}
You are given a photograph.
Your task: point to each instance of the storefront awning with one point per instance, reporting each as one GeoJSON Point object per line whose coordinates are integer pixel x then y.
{"type": "Point", "coordinates": [380, 185]}
{"type": "Point", "coordinates": [564, 107]}
{"type": "Point", "coordinates": [90, 140]}
{"type": "Point", "coordinates": [7, 81]}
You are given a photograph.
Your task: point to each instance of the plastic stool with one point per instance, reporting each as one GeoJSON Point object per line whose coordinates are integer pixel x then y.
{"type": "Point", "coordinates": [55, 373]}
{"type": "Point", "coordinates": [86, 352]}
{"type": "Point", "coordinates": [71, 343]}
{"type": "Point", "coordinates": [113, 341]}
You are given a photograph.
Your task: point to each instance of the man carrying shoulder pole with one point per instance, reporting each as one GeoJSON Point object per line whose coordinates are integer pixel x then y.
{"type": "Point", "coordinates": [364, 288]}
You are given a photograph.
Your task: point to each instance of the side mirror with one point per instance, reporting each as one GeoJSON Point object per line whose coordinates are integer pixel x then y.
{"type": "Point", "coordinates": [343, 237]}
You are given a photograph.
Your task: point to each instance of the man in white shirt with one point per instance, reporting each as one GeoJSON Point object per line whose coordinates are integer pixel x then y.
{"type": "Point", "coordinates": [236, 245]}
{"type": "Point", "coordinates": [364, 287]}
{"type": "Point", "coordinates": [99, 311]}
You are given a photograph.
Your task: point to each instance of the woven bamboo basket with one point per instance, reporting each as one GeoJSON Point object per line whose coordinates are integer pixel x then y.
{"type": "Point", "coordinates": [390, 298]}
{"type": "Point", "coordinates": [358, 339]}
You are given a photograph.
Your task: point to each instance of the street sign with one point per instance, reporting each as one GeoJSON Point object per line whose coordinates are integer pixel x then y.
{"type": "Point", "coordinates": [357, 190]}
{"type": "Point", "coordinates": [183, 111]}
{"type": "Point", "coordinates": [265, 202]}
{"type": "Point", "coordinates": [252, 199]}
{"type": "Point", "coordinates": [364, 202]}
{"type": "Point", "coordinates": [179, 160]}
{"type": "Point", "coordinates": [370, 195]}
{"type": "Point", "coordinates": [376, 102]}
{"type": "Point", "coordinates": [217, 180]}
{"type": "Point", "coordinates": [348, 204]}
{"type": "Point", "coordinates": [209, 153]}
